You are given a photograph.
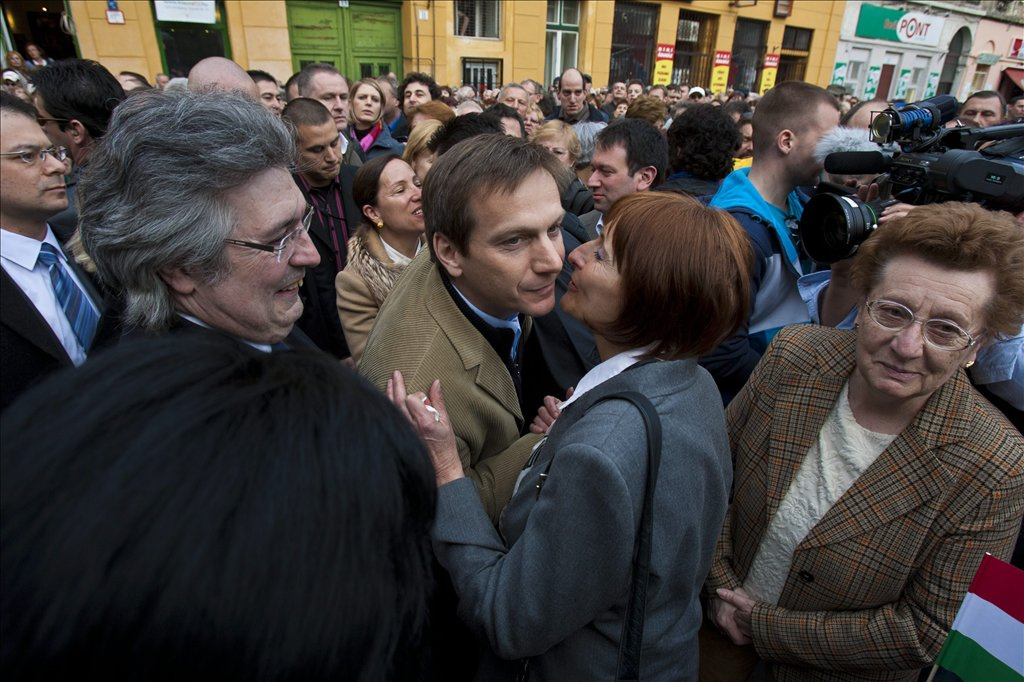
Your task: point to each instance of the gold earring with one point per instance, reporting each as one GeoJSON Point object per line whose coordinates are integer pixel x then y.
{"type": "Point", "coordinates": [969, 364]}
{"type": "Point", "coordinates": [380, 225]}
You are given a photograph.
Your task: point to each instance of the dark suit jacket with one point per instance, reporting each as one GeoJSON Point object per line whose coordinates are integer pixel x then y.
{"type": "Point", "coordinates": [874, 586]}
{"type": "Point", "coordinates": [29, 350]}
{"type": "Point", "coordinates": [589, 223]}
{"type": "Point", "coordinates": [320, 319]}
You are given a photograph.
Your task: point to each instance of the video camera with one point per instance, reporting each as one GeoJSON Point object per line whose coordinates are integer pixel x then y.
{"type": "Point", "coordinates": [933, 164]}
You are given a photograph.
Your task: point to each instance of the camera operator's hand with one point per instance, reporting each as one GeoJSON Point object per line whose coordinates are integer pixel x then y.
{"type": "Point", "coordinates": [868, 193]}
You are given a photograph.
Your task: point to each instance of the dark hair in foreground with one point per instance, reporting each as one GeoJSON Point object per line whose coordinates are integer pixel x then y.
{"type": "Point", "coordinates": [702, 141]}
{"type": "Point", "coordinates": [462, 128]}
{"type": "Point", "coordinates": [685, 271]}
{"type": "Point", "coordinates": [488, 164]}
{"type": "Point", "coordinates": [194, 509]}
{"type": "Point", "coordinates": [956, 236]}
{"type": "Point", "coordinates": [79, 89]}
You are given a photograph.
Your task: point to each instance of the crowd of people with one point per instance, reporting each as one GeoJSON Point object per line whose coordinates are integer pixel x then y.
{"type": "Point", "coordinates": [385, 379]}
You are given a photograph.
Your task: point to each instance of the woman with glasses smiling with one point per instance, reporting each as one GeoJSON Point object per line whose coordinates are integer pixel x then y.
{"type": "Point", "coordinates": [870, 477]}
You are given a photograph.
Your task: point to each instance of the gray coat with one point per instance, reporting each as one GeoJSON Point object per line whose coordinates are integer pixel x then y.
{"type": "Point", "coordinates": [555, 589]}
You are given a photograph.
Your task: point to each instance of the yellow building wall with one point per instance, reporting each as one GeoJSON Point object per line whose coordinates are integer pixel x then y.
{"type": "Point", "coordinates": [130, 46]}
{"type": "Point", "coordinates": [257, 34]}
{"type": "Point", "coordinates": [430, 45]}
{"type": "Point", "coordinates": [822, 16]}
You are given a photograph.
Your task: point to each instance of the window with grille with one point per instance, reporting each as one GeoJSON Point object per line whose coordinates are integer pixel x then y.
{"type": "Point", "coordinates": [482, 74]}
{"type": "Point", "coordinates": [563, 37]}
{"type": "Point", "coordinates": [797, 38]}
{"type": "Point", "coordinates": [478, 18]}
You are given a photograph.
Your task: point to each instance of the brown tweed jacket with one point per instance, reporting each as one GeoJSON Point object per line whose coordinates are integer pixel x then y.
{"type": "Point", "coordinates": [875, 585]}
{"type": "Point", "coordinates": [421, 332]}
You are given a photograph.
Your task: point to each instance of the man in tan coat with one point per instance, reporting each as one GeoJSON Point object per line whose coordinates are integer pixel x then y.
{"type": "Point", "coordinates": [462, 312]}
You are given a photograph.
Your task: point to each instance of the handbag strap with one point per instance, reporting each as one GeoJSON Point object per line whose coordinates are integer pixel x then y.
{"type": "Point", "coordinates": [628, 667]}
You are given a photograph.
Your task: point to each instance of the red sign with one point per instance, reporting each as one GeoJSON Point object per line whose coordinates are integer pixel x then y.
{"type": "Point", "coordinates": [722, 58]}
{"type": "Point", "coordinates": [666, 51]}
{"type": "Point", "coordinates": [771, 61]}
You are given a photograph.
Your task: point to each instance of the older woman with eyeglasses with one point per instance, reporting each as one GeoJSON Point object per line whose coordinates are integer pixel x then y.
{"type": "Point", "coordinates": [870, 477]}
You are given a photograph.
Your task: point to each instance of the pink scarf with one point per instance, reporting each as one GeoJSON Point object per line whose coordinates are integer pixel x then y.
{"type": "Point", "coordinates": [368, 139]}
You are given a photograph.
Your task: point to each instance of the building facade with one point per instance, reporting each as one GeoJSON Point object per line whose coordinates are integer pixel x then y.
{"type": "Point", "coordinates": [911, 50]}
{"type": "Point", "coordinates": [484, 43]}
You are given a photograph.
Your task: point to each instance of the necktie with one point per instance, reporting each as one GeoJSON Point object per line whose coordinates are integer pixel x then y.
{"type": "Point", "coordinates": [77, 309]}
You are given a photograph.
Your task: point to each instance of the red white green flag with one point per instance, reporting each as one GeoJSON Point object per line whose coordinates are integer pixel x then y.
{"type": "Point", "coordinates": [986, 642]}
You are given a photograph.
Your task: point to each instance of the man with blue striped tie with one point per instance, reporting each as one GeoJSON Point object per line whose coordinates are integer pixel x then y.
{"type": "Point", "coordinates": [50, 312]}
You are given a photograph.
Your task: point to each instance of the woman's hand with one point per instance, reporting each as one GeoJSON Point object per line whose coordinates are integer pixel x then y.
{"type": "Point", "coordinates": [895, 211]}
{"type": "Point", "coordinates": [430, 419]}
{"type": "Point", "coordinates": [548, 413]}
{"type": "Point", "coordinates": [730, 612]}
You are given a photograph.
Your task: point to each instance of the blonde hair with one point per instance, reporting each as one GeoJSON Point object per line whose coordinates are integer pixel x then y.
{"type": "Point", "coordinates": [419, 138]}
{"type": "Point", "coordinates": [562, 132]}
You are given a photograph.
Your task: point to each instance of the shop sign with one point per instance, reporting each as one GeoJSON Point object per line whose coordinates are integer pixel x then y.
{"type": "Point", "coordinates": [871, 82]}
{"type": "Point", "coordinates": [839, 73]}
{"type": "Point", "coordinates": [191, 11]}
{"type": "Point", "coordinates": [768, 73]}
{"type": "Point", "coordinates": [663, 64]}
{"type": "Point", "coordinates": [720, 71]}
{"type": "Point", "coordinates": [932, 85]}
{"type": "Point", "coordinates": [898, 26]}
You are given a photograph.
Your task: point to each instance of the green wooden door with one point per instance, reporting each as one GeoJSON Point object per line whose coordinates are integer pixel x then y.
{"type": "Point", "coordinates": [362, 40]}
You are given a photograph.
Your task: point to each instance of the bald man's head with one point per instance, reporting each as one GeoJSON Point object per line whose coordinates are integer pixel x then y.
{"type": "Point", "coordinates": [218, 73]}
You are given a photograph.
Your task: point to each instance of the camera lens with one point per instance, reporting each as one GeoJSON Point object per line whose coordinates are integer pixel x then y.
{"type": "Point", "coordinates": [833, 226]}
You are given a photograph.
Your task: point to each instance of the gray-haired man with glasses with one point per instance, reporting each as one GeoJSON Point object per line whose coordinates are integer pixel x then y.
{"type": "Point", "coordinates": [50, 315]}
{"type": "Point", "coordinates": [188, 207]}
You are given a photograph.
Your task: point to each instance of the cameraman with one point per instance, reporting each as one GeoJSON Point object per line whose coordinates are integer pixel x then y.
{"type": "Point", "coordinates": [788, 123]}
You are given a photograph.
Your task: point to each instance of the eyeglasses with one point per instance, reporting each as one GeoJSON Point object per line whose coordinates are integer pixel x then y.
{"type": "Point", "coordinates": [44, 120]}
{"type": "Point", "coordinates": [285, 247]}
{"type": "Point", "coordinates": [30, 156]}
{"type": "Point", "coordinates": [938, 333]}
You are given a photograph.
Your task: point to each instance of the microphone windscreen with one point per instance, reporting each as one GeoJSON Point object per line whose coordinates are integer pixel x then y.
{"type": "Point", "coordinates": [856, 163]}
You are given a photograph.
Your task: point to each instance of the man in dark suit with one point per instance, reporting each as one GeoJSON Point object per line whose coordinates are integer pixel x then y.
{"type": "Point", "coordinates": [50, 315]}
{"type": "Point", "coordinates": [326, 185]}
{"type": "Point", "coordinates": [200, 226]}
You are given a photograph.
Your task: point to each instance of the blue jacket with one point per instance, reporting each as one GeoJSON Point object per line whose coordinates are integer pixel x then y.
{"type": "Point", "coordinates": [775, 298]}
{"type": "Point", "coordinates": [384, 144]}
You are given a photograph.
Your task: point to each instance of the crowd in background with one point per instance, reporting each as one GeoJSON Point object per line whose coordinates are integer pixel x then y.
{"type": "Point", "coordinates": [338, 378]}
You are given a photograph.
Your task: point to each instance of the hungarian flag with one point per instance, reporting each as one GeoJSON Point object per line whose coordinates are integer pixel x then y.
{"type": "Point", "coordinates": [986, 642]}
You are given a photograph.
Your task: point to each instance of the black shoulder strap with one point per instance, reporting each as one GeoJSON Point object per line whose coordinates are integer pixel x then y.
{"type": "Point", "coordinates": [633, 626]}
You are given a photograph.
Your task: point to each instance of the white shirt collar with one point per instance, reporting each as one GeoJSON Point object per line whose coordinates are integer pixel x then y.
{"type": "Point", "coordinates": [24, 251]}
{"type": "Point", "coordinates": [396, 256]}
{"type": "Point", "coordinates": [611, 367]}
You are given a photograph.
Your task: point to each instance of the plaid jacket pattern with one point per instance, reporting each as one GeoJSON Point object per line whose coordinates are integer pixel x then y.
{"type": "Point", "coordinates": [875, 585]}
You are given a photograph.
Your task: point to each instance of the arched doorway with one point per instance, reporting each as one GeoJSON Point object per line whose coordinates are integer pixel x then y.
{"type": "Point", "coordinates": [956, 59]}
